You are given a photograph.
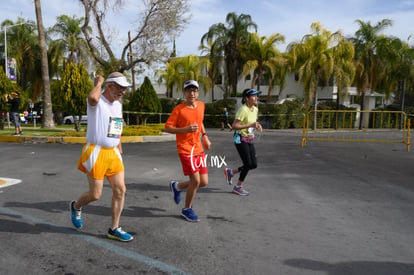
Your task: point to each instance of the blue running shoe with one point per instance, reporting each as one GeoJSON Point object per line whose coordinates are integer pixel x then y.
{"type": "Point", "coordinates": [177, 194]}
{"type": "Point", "coordinates": [76, 215]}
{"type": "Point", "coordinates": [119, 235]}
{"type": "Point", "coordinates": [189, 215]}
{"type": "Point", "coordinates": [228, 172]}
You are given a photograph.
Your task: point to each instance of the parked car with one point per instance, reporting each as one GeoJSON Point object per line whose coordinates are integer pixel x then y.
{"type": "Point", "coordinates": [283, 100]}
{"type": "Point", "coordinates": [74, 119]}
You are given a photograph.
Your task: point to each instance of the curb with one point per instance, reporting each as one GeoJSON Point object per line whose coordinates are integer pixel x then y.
{"type": "Point", "coordinates": [82, 140]}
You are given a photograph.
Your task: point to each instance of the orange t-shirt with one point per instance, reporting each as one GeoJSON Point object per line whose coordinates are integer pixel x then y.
{"type": "Point", "coordinates": [183, 116]}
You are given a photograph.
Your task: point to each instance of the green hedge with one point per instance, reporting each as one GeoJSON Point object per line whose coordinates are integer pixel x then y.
{"type": "Point", "coordinates": [288, 115]}
{"type": "Point", "coordinates": [214, 112]}
{"type": "Point", "coordinates": [386, 117]}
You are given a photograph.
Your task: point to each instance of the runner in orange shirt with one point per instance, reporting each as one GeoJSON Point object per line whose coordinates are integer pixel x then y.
{"type": "Point", "coordinates": [186, 121]}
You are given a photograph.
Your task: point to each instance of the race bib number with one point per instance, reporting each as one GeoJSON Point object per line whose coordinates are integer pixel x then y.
{"type": "Point", "coordinates": [251, 131]}
{"type": "Point", "coordinates": [115, 127]}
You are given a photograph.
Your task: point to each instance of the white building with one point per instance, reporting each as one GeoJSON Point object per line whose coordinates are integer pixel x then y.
{"type": "Point", "coordinates": [293, 89]}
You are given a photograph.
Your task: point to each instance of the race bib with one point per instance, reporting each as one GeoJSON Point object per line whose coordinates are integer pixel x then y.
{"type": "Point", "coordinates": [115, 127]}
{"type": "Point", "coordinates": [251, 131]}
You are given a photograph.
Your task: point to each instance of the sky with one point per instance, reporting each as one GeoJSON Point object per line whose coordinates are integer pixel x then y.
{"type": "Point", "coordinates": [291, 18]}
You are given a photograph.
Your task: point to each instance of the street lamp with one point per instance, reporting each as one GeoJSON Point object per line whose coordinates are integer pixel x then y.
{"type": "Point", "coordinates": [5, 42]}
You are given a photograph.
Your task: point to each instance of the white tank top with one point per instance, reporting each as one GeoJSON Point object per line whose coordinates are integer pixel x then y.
{"type": "Point", "coordinates": [104, 123]}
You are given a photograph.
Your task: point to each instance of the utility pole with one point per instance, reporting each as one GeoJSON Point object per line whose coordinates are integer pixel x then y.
{"type": "Point", "coordinates": [401, 90]}
{"type": "Point", "coordinates": [130, 59]}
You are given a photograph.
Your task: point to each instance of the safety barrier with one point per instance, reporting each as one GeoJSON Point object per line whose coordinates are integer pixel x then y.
{"type": "Point", "coordinates": [349, 126]}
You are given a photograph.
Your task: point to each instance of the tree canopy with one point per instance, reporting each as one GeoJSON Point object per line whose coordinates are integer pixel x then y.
{"type": "Point", "coordinates": [160, 21]}
{"type": "Point", "coordinates": [226, 40]}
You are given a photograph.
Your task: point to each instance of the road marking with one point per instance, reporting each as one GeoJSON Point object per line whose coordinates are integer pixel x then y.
{"type": "Point", "coordinates": [4, 182]}
{"type": "Point", "coordinates": [98, 242]}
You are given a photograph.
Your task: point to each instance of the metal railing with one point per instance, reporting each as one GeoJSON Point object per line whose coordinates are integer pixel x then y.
{"type": "Point", "coordinates": [356, 126]}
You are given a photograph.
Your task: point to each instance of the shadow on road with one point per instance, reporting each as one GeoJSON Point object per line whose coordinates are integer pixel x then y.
{"type": "Point", "coordinates": [355, 268]}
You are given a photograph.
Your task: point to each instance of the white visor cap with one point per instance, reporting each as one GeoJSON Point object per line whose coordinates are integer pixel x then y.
{"type": "Point", "coordinates": [120, 80]}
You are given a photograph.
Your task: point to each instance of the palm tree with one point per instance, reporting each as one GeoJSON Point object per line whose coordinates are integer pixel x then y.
{"type": "Point", "coordinates": [399, 64]}
{"type": "Point", "coordinates": [178, 70]}
{"type": "Point", "coordinates": [47, 120]}
{"type": "Point", "coordinates": [192, 67]}
{"type": "Point", "coordinates": [71, 38]}
{"type": "Point", "coordinates": [169, 75]}
{"type": "Point", "coordinates": [23, 42]}
{"type": "Point", "coordinates": [23, 46]}
{"type": "Point", "coordinates": [214, 66]}
{"type": "Point", "coordinates": [56, 56]}
{"type": "Point", "coordinates": [69, 47]}
{"type": "Point", "coordinates": [262, 57]}
{"type": "Point", "coordinates": [227, 40]}
{"type": "Point", "coordinates": [344, 68]}
{"type": "Point", "coordinates": [399, 69]}
{"type": "Point", "coordinates": [369, 66]}
{"type": "Point", "coordinates": [282, 66]}
{"type": "Point", "coordinates": [313, 59]}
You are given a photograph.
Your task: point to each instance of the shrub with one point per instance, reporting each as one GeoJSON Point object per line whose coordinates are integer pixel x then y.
{"type": "Point", "coordinates": [282, 116]}
{"type": "Point", "coordinates": [334, 119]}
{"type": "Point", "coordinates": [143, 130]}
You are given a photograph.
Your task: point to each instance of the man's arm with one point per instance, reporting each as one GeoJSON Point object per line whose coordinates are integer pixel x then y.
{"type": "Point", "coordinates": [95, 93]}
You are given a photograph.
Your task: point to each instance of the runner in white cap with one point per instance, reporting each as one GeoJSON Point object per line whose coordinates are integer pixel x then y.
{"type": "Point", "coordinates": [101, 155]}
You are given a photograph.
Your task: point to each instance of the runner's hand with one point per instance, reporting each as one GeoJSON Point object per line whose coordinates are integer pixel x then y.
{"type": "Point", "coordinates": [206, 142]}
{"type": "Point", "coordinates": [192, 128]}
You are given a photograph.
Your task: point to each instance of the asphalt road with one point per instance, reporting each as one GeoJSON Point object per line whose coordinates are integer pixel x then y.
{"type": "Point", "coordinates": [328, 208]}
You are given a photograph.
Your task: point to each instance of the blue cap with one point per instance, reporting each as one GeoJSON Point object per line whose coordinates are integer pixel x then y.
{"type": "Point", "coordinates": [253, 92]}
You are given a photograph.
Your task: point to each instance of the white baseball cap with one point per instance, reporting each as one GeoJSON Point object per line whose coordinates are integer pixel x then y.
{"type": "Point", "coordinates": [191, 83]}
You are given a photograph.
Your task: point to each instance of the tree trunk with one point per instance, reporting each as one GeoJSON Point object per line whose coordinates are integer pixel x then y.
{"type": "Point", "coordinates": [47, 119]}
{"type": "Point", "coordinates": [315, 117]}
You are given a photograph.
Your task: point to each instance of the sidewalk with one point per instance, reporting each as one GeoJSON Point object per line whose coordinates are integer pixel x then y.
{"type": "Point", "coordinates": [66, 140]}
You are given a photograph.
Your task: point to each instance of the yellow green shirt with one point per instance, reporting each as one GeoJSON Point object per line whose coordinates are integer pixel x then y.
{"type": "Point", "coordinates": [247, 117]}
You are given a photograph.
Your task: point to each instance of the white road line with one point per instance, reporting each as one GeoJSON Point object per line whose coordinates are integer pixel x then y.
{"type": "Point", "coordinates": [4, 182]}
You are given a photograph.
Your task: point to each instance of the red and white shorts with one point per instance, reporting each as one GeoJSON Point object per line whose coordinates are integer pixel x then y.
{"type": "Point", "coordinates": [194, 163]}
